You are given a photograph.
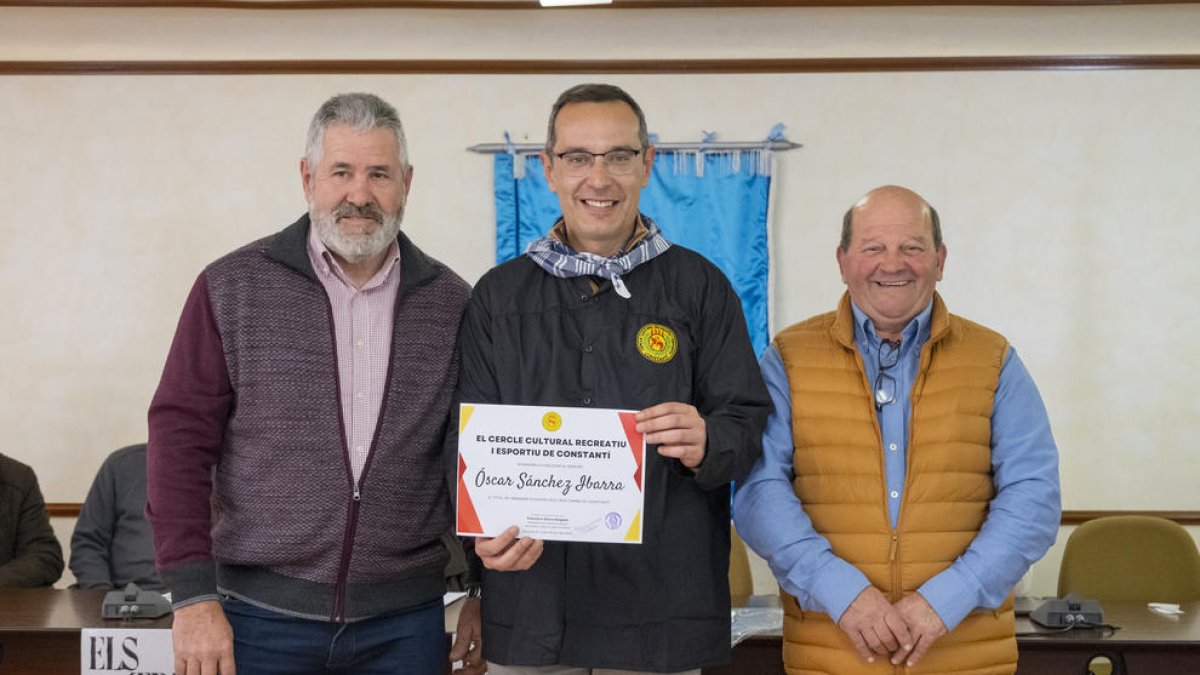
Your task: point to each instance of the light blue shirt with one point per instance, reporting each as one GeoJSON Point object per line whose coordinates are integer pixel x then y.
{"type": "Point", "coordinates": [1022, 520]}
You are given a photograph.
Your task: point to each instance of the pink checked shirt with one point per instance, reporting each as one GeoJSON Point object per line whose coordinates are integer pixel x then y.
{"type": "Point", "coordinates": [362, 323]}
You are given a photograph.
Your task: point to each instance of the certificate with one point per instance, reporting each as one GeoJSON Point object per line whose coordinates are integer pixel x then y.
{"type": "Point", "coordinates": [565, 474]}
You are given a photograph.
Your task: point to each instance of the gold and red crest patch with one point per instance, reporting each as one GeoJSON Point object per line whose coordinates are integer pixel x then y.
{"type": "Point", "coordinates": [657, 343]}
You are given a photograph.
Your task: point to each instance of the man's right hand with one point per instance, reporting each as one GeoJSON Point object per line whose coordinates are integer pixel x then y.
{"type": "Point", "coordinates": [203, 640]}
{"type": "Point", "coordinates": [874, 626]}
{"type": "Point", "coordinates": [507, 553]}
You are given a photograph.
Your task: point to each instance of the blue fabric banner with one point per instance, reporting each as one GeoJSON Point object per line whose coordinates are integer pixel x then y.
{"type": "Point", "coordinates": [716, 205]}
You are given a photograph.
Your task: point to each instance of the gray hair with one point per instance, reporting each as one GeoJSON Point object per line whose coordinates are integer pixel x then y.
{"type": "Point", "coordinates": [361, 111]}
{"type": "Point", "coordinates": [595, 93]}
{"type": "Point", "coordinates": [934, 221]}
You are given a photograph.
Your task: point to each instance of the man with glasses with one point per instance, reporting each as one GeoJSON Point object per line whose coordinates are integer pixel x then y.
{"type": "Point", "coordinates": [908, 477]}
{"type": "Point", "coordinates": [605, 312]}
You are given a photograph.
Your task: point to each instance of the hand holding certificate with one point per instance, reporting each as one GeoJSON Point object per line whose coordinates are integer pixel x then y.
{"type": "Point", "coordinates": [567, 474]}
{"type": "Point", "coordinates": [677, 429]}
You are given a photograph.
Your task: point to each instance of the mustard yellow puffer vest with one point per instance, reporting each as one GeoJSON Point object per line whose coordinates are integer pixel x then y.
{"type": "Point", "coordinates": [839, 468]}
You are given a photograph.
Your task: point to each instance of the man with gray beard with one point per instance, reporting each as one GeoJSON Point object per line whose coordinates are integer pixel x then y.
{"type": "Point", "coordinates": [295, 473]}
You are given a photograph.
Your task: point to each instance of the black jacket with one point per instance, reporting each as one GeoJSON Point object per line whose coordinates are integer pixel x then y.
{"type": "Point", "coordinates": [530, 338]}
{"type": "Point", "coordinates": [30, 554]}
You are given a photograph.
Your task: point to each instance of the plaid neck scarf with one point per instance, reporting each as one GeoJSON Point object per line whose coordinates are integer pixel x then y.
{"type": "Point", "coordinates": [565, 262]}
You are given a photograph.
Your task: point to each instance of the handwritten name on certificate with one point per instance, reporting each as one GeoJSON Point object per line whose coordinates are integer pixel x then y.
{"type": "Point", "coordinates": [565, 474]}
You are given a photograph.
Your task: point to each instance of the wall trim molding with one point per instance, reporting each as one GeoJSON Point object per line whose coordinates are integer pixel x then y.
{"type": "Point", "coordinates": [604, 66]}
{"type": "Point", "coordinates": [527, 5]}
{"type": "Point", "coordinates": [63, 509]}
{"type": "Point", "coordinates": [1181, 517]}
{"type": "Point", "coordinates": [71, 510]}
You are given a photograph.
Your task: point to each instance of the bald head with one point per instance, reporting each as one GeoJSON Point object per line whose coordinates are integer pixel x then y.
{"type": "Point", "coordinates": [891, 196]}
{"type": "Point", "coordinates": [891, 257]}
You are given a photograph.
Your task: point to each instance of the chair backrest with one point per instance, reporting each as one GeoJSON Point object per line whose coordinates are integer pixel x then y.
{"type": "Point", "coordinates": [1141, 558]}
{"type": "Point", "coordinates": [740, 582]}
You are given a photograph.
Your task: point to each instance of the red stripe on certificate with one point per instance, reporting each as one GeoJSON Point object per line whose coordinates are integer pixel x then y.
{"type": "Point", "coordinates": [468, 520]}
{"type": "Point", "coordinates": [629, 422]}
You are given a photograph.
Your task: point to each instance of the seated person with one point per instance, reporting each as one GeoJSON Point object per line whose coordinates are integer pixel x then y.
{"type": "Point", "coordinates": [111, 545]}
{"type": "Point", "coordinates": [29, 552]}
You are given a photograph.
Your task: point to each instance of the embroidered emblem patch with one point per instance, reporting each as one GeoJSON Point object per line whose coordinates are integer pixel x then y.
{"type": "Point", "coordinates": [657, 343]}
{"type": "Point", "coordinates": [551, 421]}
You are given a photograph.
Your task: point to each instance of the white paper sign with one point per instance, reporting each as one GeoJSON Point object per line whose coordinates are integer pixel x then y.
{"type": "Point", "coordinates": [126, 651]}
{"type": "Point", "coordinates": [565, 474]}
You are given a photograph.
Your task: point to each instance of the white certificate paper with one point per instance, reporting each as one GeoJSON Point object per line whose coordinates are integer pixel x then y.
{"type": "Point", "coordinates": [557, 473]}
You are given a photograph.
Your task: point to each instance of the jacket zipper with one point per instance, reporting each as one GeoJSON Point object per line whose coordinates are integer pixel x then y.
{"type": "Point", "coordinates": [338, 611]}
{"type": "Point", "coordinates": [343, 577]}
{"type": "Point", "coordinates": [894, 548]}
{"type": "Point", "coordinates": [897, 591]}
{"type": "Point", "coordinates": [339, 589]}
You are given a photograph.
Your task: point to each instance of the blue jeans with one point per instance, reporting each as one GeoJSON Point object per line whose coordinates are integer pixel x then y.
{"type": "Point", "coordinates": [412, 642]}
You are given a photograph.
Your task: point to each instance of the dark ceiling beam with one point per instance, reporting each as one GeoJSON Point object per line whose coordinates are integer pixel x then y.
{"type": "Point", "coordinates": [603, 66]}
{"type": "Point", "coordinates": [532, 4]}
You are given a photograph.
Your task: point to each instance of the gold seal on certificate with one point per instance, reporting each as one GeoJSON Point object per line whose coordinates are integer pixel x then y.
{"type": "Point", "coordinates": [557, 473]}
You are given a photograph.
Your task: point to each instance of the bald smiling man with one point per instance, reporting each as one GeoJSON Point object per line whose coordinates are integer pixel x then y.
{"type": "Point", "coordinates": [908, 477]}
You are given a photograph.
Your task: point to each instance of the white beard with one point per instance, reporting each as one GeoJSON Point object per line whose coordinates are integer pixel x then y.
{"type": "Point", "coordinates": [356, 247]}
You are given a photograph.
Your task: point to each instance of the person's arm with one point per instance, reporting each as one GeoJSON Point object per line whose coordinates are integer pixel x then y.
{"type": "Point", "coordinates": [1023, 516]}
{"type": "Point", "coordinates": [477, 383]}
{"type": "Point", "coordinates": [91, 542]}
{"type": "Point", "coordinates": [37, 556]}
{"type": "Point", "coordinates": [187, 425]}
{"type": "Point", "coordinates": [728, 391]}
{"type": "Point", "coordinates": [468, 641]}
{"type": "Point", "coordinates": [771, 519]}
{"type": "Point", "coordinates": [464, 571]}
{"type": "Point", "coordinates": [477, 380]}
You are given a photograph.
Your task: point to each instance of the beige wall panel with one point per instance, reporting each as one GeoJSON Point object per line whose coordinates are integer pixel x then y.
{"type": "Point", "coordinates": [200, 34]}
{"type": "Point", "coordinates": [1065, 197]}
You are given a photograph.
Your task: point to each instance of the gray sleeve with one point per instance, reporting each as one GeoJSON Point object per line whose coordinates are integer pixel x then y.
{"type": "Point", "coordinates": [91, 543]}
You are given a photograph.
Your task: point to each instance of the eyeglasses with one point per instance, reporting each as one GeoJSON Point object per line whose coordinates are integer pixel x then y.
{"type": "Point", "coordinates": [885, 385]}
{"type": "Point", "coordinates": [619, 162]}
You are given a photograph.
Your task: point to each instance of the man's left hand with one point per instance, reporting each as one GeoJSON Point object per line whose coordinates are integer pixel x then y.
{"type": "Point", "coordinates": [468, 640]}
{"type": "Point", "coordinates": [506, 552]}
{"type": "Point", "coordinates": [923, 623]}
{"type": "Point", "coordinates": [677, 429]}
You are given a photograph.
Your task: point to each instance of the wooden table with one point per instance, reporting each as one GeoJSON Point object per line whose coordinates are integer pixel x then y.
{"type": "Point", "coordinates": [39, 628]}
{"type": "Point", "coordinates": [1147, 643]}
{"type": "Point", "coordinates": [39, 632]}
